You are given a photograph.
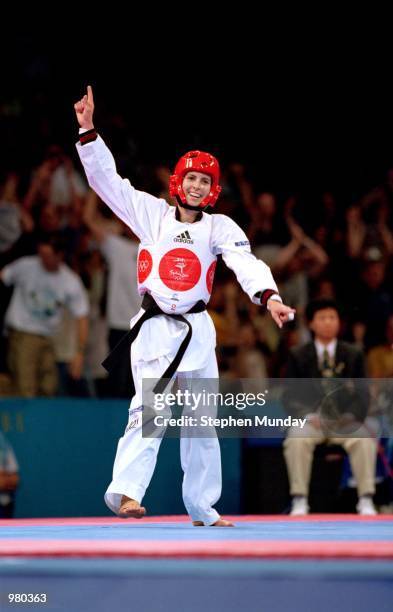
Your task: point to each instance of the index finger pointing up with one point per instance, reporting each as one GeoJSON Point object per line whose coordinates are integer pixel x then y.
{"type": "Point", "coordinates": [90, 94]}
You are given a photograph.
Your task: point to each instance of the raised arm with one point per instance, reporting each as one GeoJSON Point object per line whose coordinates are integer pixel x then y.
{"type": "Point", "coordinates": [141, 211]}
{"type": "Point", "coordinates": [90, 217]}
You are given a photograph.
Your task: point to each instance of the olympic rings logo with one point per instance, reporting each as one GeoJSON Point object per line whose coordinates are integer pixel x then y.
{"type": "Point", "coordinates": [145, 264]}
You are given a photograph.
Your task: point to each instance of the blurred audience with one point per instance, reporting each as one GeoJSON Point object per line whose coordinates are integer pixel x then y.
{"type": "Point", "coordinates": [318, 246]}
{"type": "Point", "coordinates": [43, 287]}
{"type": "Point", "coordinates": [120, 251]}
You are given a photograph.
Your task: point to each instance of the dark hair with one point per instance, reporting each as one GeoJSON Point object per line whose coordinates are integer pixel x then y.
{"type": "Point", "coordinates": [316, 305]}
{"type": "Point", "coordinates": [56, 241]}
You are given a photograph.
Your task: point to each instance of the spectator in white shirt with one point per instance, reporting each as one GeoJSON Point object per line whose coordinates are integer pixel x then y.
{"type": "Point", "coordinates": [43, 286]}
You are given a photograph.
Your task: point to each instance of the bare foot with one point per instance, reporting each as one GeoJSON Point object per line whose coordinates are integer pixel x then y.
{"type": "Point", "coordinates": [222, 523]}
{"type": "Point", "coordinates": [130, 508]}
{"type": "Point", "coordinates": [219, 523]}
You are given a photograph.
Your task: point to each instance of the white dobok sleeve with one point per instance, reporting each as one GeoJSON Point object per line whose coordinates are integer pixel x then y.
{"type": "Point", "coordinates": [141, 211]}
{"type": "Point", "coordinates": [231, 242]}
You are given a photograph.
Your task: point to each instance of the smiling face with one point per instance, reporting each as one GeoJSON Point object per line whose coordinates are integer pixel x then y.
{"type": "Point", "coordinates": [196, 186]}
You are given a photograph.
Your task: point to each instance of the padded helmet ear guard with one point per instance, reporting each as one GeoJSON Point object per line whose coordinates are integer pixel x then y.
{"type": "Point", "coordinates": [199, 161]}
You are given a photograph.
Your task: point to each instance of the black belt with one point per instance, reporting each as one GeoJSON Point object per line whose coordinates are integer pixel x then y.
{"type": "Point", "coordinates": [122, 350]}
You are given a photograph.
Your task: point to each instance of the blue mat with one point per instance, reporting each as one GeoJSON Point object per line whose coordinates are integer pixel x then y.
{"type": "Point", "coordinates": [283, 530]}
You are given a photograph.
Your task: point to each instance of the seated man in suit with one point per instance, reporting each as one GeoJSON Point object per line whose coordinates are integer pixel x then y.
{"type": "Point", "coordinates": [323, 361]}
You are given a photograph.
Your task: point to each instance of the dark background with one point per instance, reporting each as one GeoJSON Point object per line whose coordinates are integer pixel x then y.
{"type": "Point", "coordinates": [304, 109]}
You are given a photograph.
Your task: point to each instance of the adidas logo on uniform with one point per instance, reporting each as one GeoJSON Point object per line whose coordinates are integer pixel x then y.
{"type": "Point", "coordinates": [184, 237]}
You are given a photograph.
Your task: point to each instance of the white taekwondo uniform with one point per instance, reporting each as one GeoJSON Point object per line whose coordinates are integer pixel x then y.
{"type": "Point", "coordinates": [176, 265]}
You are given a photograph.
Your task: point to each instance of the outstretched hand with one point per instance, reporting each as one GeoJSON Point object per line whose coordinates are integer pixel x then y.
{"type": "Point", "coordinates": [84, 110]}
{"type": "Point", "coordinates": [280, 313]}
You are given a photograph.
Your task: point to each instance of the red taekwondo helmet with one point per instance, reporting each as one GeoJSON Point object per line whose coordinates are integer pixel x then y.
{"type": "Point", "coordinates": [196, 161]}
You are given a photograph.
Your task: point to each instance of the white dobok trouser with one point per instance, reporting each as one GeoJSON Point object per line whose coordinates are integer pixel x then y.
{"type": "Point", "coordinates": [136, 455]}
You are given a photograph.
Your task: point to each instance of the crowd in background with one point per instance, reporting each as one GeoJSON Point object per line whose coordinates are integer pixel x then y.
{"type": "Point", "coordinates": [316, 244]}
